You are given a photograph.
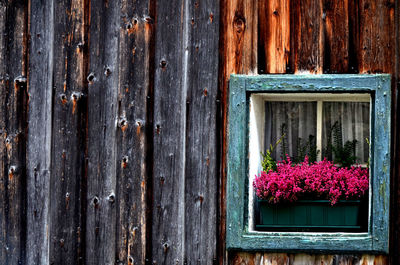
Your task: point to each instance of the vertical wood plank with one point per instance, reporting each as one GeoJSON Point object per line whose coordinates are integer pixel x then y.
{"type": "Point", "coordinates": [395, 199]}
{"type": "Point", "coordinates": [274, 36]}
{"type": "Point", "coordinates": [201, 178]}
{"type": "Point", "coordinates": [238, 54]}
{"type": "Point", "coordinates": [170, 93]}
{"type": "Point", "coordinates": [13, 45]}
{"type": "Point", "coordinates": [40, 91]}
{"type": "Point", "coordinates": [336, 36]}
{"type": "Point", "coordinates": [68, 132]}
{"type": "Point", "coordinates": [243, 258]}
{"type": "Point", "coordinates": [136, 42]}
{"type": "Point", "coordinates": [377, 38]}
{"type": "Point", "coordinates": [103, 124]}
{"type": "Point", "coordinates": [307, 40]}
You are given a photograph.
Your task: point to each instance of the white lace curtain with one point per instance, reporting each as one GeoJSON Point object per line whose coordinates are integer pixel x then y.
{"type": "Point", "coordinates": [297, 121]}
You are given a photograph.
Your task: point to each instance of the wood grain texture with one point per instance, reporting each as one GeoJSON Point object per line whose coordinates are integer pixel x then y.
{"type": "Point", "coordinates": [377, 36]}
{"type": "Point", "coordinates": [136, 46]}
{"type": "Point", "coordinates": [184, 169]}
{"type": "Point", "coordinates": [69, 133]}
{"type": "Point", "coordinates": [201, 178]}
{"type": "Point", "coordinates": [40, 92]}
{"type": "Point", "coordinates": [103, 124]}
{"type": "Point", "coordinates": [238, 54]}
{"type": "Point", "coordinates": [13, 43]}
{"type": "Point", "coordinates": [242, 258]}
{"type": "Point", "coordinates": [336, 36]}
{"type": "Point", "coordinates": [274, 36]}
{"type": "Point", "coordinates": [170, 99]}
{"type": "Point", "coordinates": [307, 40]}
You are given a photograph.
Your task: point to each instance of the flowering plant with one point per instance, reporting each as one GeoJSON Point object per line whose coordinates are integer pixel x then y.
{"type": "Point", "coordinates": [321, 180]}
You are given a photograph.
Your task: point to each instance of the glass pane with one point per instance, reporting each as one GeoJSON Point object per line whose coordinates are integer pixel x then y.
{"type": "Point", "coordinates": [297, 121]}
{"type": "Point", "coordinates": [345, 130]}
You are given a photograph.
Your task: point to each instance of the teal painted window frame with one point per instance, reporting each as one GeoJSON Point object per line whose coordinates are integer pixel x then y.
{"type": "Point", "coordinates": [238, 236]}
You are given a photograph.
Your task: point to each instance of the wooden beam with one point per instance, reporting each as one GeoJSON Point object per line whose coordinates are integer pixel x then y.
{"type": "Point", "coordinates": [13, 107]}
{"type": "Point", "coordinates": [274, 36]}
{"type": "Point", "coordinates": [40, 118]}
{"type": "Point", "coordinates": [68, 184]}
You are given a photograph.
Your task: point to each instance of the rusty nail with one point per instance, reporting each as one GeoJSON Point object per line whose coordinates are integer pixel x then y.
{"type": "Point", "coordinates": [107, 72]}
{"type": "Point", "coordinates": [111, 197]}
{"type": "Point", "coordinates": [95, 201]}
{"type": "Point", "coordinates": [62, 242]}
{"type": "Point", "coordinates": [63, 98]}
{"type": "Point", "coordinates": [12, 170]}
{"type": "Point", "coordinates": [148, 19]}
{"type": "Point", "coordinates": [75, 96]}
{"type": "Point", "coordinates": [166, 246]}
{"type": "Point", "coordinates": [80, 46]}
{"type": "Point", "coordinates": [158, 129]}
{"type": "Point", "coordinates": [20, 80]}
{"type": "Point", "coordinates": [163, 63]}
{"type": "Point", "coordinates": [124, 162]}
{"type": "Point", "coordinates": [91, 78]}
{"type": "Point", "coordinates": [122, 123]}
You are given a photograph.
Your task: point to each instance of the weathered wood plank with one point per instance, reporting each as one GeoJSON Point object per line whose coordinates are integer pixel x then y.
{"type": "Point", "coordinates": [274, 36]}
{"type": "Point", "coordinates": [103, 123]}
{"type": "Point", "coordinates": [238, 51]}
{"type": "Point", "coordinates": [68, 132]}
{"type": "Point", "coordinates": [201, 177]}
{"type": "Point", "coordinates": [336, 36]}
{"type": "Point", "coordinates": [304, 259]}
{"type": "Point", "coordinates": [170, 96]}
{"type": "Point", "coordinates": [40, 91]}
{"type": "Point", "coordinates": [136, 42]}
{"type": "Point", "coordinates": [307, 36]}
{"type": "Point", "coordinates": [377, 38]}
{"type": "Point", "coordinates": [13, 45]}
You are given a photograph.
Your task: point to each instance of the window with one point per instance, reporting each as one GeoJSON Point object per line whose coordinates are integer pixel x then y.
{"type": "Point", "coordinates": [307, 111]}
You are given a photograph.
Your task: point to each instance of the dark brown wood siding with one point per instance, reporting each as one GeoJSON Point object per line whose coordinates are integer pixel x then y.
{"type": "Point", "coordinates": [113, 119]}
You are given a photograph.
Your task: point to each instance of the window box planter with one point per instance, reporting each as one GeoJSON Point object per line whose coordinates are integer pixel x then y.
{"type": "Point", "coordinates": [312, 215]}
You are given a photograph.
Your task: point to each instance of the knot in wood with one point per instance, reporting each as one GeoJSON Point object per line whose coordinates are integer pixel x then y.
{"type": "Point", "coordinates": [239, 22]}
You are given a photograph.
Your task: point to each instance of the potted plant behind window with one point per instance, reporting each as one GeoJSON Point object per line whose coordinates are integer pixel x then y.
{"type": "Point", "coordinates": [311, 196]}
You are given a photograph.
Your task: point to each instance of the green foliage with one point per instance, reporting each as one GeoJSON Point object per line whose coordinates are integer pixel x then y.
{"type": "Point", "coordinates": [268, 163]}
{"type": "Point", "coordinates": [344, 154]}
{"type": "Point", "coordinates": [306, 148]}
{"type": "Point", "coordinates": [284, 149]}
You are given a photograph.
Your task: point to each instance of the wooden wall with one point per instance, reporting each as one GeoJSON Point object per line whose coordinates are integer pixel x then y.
{"type": "Point", "coordinates": [113, 119]}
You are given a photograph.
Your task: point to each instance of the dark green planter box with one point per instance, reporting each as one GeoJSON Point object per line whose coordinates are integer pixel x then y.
{"type": "Point", "coordinates": [312, 215]}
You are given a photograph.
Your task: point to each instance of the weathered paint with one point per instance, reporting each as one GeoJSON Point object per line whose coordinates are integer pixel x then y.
{"type": "Point", "coordinates": [238, 234]}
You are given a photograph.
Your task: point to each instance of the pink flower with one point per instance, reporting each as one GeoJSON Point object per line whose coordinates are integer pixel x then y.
{"type": "Point", "coordinates": [321, 180]}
